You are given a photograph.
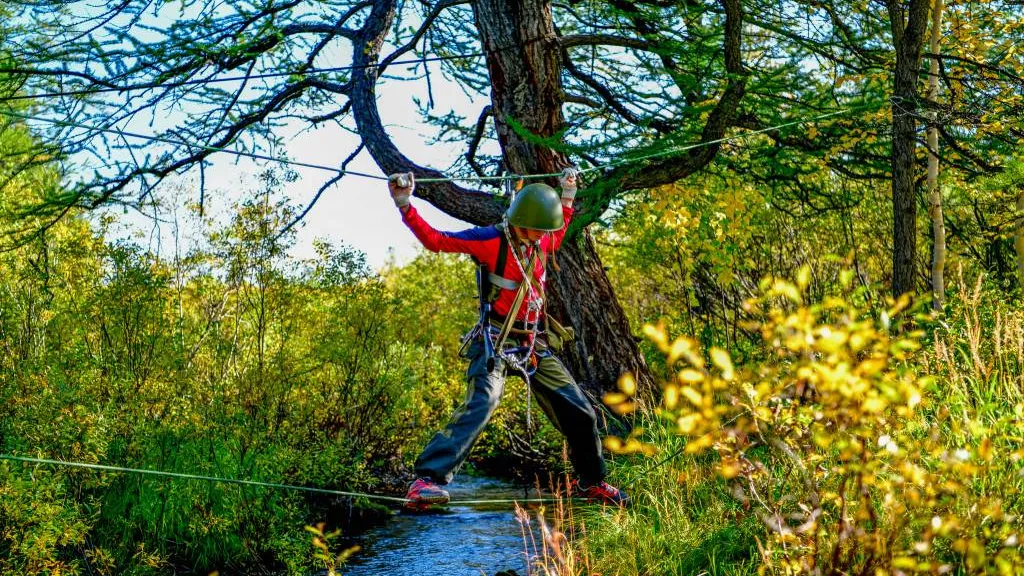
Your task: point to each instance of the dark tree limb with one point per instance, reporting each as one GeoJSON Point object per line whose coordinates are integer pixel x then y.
{"type": "Point", "coordinates": [610, 99]}
{"type": "Point", "coordinates": [469, 205]}
{"type": "Point", "coordinates": [474, 143]}
{"type": "Point", "coordinates": [672, 168]}
{"type": "Point", "coordinates": [316, 197]}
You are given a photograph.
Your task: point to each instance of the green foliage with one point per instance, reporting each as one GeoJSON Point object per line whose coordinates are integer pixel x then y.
{"type": "Point", "coordinates": [936, 483]}
{"type": "Point", "coordinates": [232, 361]}
{"type": "Point", "coordinates": [689, 255]}
{"type": "Point", "coordinates": [840, 443]}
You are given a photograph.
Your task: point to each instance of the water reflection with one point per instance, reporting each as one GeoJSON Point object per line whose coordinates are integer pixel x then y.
{"type": "Point", "coordinates": [466, 540]}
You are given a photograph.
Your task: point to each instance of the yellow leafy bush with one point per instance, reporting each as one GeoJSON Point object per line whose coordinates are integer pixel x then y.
{"type": "Point", "coordinates": [835, 440]}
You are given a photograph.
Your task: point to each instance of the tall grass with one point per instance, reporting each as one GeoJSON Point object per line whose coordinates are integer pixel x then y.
{"type": "Point", "coordinates": [906, 484]}
{"type": "Point", "coordinates": [682, 521]}
{"type": "Point", "coordinates": [978, 359]}
{"type": "Point", "coordinates": [979, 352]}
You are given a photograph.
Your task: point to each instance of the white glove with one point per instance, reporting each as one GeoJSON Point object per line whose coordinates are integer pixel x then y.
{"type": "Point", "coordinates": [401, 186]}
{"type": "Point", "coordinates": [568, 182]}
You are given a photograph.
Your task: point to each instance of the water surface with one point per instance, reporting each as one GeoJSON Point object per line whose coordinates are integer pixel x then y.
{"type": "Point", "coordinates": [476, 539]}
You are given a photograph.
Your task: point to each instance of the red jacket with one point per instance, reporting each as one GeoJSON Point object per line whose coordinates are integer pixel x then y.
{"type": "Point", "coordinates": [482, 243]}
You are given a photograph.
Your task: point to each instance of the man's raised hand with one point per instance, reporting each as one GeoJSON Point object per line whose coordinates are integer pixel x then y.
{"type": "Point", "coordinates": [401, 185]}
{"type": "Point", "coordinates": [567, 181]}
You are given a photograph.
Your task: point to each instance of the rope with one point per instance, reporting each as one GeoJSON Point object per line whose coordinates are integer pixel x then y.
{"type": "Point", "coordinates": [526, 290]}
{"type": "Point", "coordinates": [180, 83]}
{"type": "Point", "coordinates": [502, 178]}
{"type": "Point", "coordinates": [119, 132]}
{"type": "Point", "coordinates": [275, 485]}
{"type": "Point", "coordinates": [677, 149]}
{"type": "Point", "coordinates": [533, 306]}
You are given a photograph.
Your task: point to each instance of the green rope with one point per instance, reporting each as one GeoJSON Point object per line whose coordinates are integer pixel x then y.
{"type": "Point", "coordinates": [274, 485]}
{"type": "Point", "coordinates": [666, 152]}
{"type": "Point", "coordinates": [119, 132]}
{"type": "Point", "coordinates": [678, 149]}
{"type": "Point", "coordinates": [630, 160]}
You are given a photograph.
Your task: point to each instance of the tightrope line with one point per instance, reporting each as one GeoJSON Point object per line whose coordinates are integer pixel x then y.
{"type": "Point", "coordinates": [149, 137]}
{"type": "Point", "coordinates": [507, 177]}
{"type": "Point", "coordinates": [275, 485]}
{"type": "Point", "coordinates": [666, 152]}
{"type": "Point", "coordinates": [684, 148]}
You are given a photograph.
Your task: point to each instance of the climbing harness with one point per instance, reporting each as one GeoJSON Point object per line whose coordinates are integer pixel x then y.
{"type": "Point", "coordinates": [495, 338]}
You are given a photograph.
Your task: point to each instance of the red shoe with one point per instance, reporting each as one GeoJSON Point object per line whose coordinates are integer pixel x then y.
{"type": "Point", "coordinates": [605, 493]}
{"type": "Point", "coordinates": [424, 493]}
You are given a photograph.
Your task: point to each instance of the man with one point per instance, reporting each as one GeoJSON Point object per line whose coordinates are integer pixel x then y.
{"type": "Point", "coordinates": [510, 336]}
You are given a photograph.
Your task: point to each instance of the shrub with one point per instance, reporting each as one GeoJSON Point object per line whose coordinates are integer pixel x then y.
{"type": "Point", "coordinates": [839, 442]}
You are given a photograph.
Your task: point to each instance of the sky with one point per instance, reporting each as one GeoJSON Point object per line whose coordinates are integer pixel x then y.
{"type": "Point", "coordinates": [357, 211]}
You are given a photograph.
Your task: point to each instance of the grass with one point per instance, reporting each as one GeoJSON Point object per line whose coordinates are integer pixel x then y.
{"type": "Point", "coordinates": [681, 522]}
{"type": "Point", "coordinates": [685, 518]}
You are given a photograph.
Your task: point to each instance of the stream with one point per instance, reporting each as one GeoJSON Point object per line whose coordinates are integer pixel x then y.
{"type": "Point", "coordinates": [477, 539]}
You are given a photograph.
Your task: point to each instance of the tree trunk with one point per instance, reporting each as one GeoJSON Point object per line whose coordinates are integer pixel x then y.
{"type": "Point", "coordinates": [526, 102]}
{"type": "Point", "coordinates": [526, 80]}
{"type": "Point", "coordinates": [1018, 238]}
{"type": "Point", "coordinates": [522, 61]}
{"type": "Point", "coordinates": [581, 295]}
{"type": "Point", "coordinates": [934, 192]}
{"type": "Point", "coordinates": [908, 40]}
{"type": "Point", "coordinates": [526, 95]}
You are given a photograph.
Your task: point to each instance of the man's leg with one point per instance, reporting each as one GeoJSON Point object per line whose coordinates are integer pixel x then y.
{"type": "Point", "coordinates": [447, 450]}
{"type": "Point", "coordinates": [568, 409]}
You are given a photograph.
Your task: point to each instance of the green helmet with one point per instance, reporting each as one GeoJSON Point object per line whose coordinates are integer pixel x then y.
{"type": "Point", "coordinates": [537, 207]}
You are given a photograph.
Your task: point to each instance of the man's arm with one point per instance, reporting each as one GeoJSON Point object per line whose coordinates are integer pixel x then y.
{"type": "Point", "coordinates": [469, 242]}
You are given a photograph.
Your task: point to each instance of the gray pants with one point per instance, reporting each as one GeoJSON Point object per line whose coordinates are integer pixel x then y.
{"type": "Point", "coordinates": [558, 395]}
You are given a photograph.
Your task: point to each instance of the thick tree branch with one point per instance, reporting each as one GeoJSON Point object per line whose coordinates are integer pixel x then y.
{"type": "Point", "coordinates": [673, 168]}
{"type": "Point", "coordinates": [472, 206]}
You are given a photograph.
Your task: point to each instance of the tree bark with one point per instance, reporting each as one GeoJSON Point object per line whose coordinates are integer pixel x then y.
{"type": "Point", "coordinates": [526, 81]}
{"type": "Point", "coordinates": [526, 99]}
{"type": "Point", "coordinates": [525, 71]}
{"type": "Point", "coordinates": [526, 95]}
{"type": "Point", "coordinates": [934, 192]}
{"type": "Point", "coordinates": [582, 296]}
{"type": "Point", "coordinates": [1018, 238]}
{"type": "Point", "coordinates": [908, 34]}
